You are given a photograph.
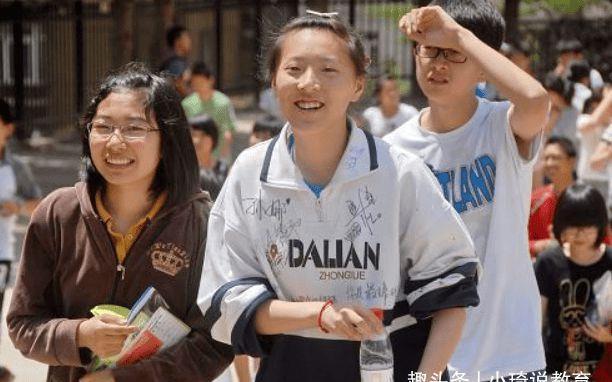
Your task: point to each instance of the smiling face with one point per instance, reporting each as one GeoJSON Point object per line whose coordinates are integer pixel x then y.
{"type": "Point", "coordinates": [446, 82]}
{"type": "Point", "coordinates": [315, 80]}
{"type": "Point", "coordinates": [124, 162]}
{"type": "Point", "coordinates": [558, 166]}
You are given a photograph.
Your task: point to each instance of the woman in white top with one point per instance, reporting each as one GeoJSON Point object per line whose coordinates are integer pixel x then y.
{"type": "Point", "coordinates": [389, 113]}
{"type": "Point", "coordinates": [323, 222]}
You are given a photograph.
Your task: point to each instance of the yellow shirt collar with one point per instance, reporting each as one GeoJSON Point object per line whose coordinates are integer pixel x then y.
{"type": "Point", "coordinates": [106, 216]}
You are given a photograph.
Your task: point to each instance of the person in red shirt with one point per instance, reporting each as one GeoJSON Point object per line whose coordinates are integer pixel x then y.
{"type": "Point", "coordinates": [559, 162]}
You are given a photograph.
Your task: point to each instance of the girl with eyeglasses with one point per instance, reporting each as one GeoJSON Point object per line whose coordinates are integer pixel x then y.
{"type": "Point", "coordinates": [566, 277]}
{"type": "Point", "coordinates": [137, 220]}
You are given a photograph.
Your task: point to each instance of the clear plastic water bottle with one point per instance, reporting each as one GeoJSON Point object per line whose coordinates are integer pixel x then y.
{"type": "Point", "coordinates": [376, 357]}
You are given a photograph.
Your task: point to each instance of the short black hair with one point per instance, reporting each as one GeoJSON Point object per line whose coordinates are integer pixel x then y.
{"type": "Point", "coordinates": [380, 82]}
{"type": "Point", "coordinates": [595, 98]}
{"type": "Point", "coordinates": [199, 68]}
{"type": "Point", "coordinates": [578, 70]}
{"type": "Point", "coordinates": [581, 205]}
{"type": "Point", "coordinates": [207, 125]}
{"type": "Point", "coordinates": [269, 124]}
{"type": "Point", "coordinates": [566, 145]}
{"type": "Point", "coordinates": [6, 113]}
{"type": "Point", "coordinates": [481, 17]}
{"type": "Point", "coordinates": [177, 172]}
{"type": "Point", "coordinates": [559, 85]}
{"type": "Point", "coordinates": [173, 34]}
{"type": "Point", "coordinates": [569, 46]}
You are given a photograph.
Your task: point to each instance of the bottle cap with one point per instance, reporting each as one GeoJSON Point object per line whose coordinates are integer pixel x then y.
{"type": "Point", "coordinates": [378, 313]}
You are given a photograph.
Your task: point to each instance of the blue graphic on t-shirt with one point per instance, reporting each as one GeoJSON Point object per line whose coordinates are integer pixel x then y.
{"type": "Point", "coordinates": [469, 186]}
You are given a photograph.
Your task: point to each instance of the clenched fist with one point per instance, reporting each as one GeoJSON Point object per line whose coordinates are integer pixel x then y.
{"type": "Point", "coordinates": [431, 26]}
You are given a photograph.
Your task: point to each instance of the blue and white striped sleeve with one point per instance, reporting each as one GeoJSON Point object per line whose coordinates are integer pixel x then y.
{"type": "Point", "coordinates": [233, 285]}
{"type": "Point", "coordinates": [440, 266]}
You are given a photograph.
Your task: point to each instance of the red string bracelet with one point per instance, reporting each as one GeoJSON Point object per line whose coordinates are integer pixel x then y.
{"type": "Point", "coordinates": [327, 304]}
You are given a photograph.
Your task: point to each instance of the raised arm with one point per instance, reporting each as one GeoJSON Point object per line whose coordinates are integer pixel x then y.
{"type": "Point", "coordinates": [432, 26]}
{"type": "Point", "coordinates": [530, 100]}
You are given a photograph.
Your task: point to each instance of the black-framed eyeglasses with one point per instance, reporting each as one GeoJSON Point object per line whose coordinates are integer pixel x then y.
{"type": "Point", "coordinates": [433, 52]}
{"type": "Point", "coordinates": [103, 130]}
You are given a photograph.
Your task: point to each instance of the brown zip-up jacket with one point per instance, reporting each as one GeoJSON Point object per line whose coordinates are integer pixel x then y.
{"type": "Point", "coordinates": [68, 266]}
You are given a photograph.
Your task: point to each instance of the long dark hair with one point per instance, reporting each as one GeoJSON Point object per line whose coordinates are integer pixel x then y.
{"type": "Point", "coordinates": [177, 172]}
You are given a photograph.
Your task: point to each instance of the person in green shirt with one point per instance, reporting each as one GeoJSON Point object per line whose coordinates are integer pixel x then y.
{"type": "Point", "coordinates": [206, 100]}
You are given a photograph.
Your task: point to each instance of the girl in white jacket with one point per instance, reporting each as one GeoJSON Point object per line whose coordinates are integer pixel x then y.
{"type": "Point", "coordinates": [324, 222]}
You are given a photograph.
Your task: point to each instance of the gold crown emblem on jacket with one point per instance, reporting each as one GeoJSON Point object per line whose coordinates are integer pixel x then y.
{"type": "Point", "coordinates": [168, 258]}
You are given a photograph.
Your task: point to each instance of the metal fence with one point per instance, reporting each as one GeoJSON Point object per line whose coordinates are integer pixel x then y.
{"type": "Point", "coordinates": [52, 54]}
{"type": "Point", "coordinates": [46, 64]}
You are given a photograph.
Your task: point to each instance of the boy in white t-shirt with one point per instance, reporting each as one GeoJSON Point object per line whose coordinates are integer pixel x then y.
{"type": "Point", "coordinates": [482, 153]}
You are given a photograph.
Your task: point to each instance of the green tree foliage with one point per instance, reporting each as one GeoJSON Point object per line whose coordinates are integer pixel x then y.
{"type": "Point", "coordinates": [564, 7]}
{"type": "Point", "coordinates": [389, 11]}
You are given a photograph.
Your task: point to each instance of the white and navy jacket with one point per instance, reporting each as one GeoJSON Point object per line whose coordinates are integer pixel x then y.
{"type": "Point", "coordinates": [380, 233]}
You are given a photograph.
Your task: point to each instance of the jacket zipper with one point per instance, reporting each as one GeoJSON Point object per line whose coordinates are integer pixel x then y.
{"type": "Point", "coordinates": [319, 210]}
{"type": "Point", "coordinates": [119, 275]}
{"type": "Point", "coordinates": [121, 268]}
{"type": "Point", "coordinates": [118, 267]}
